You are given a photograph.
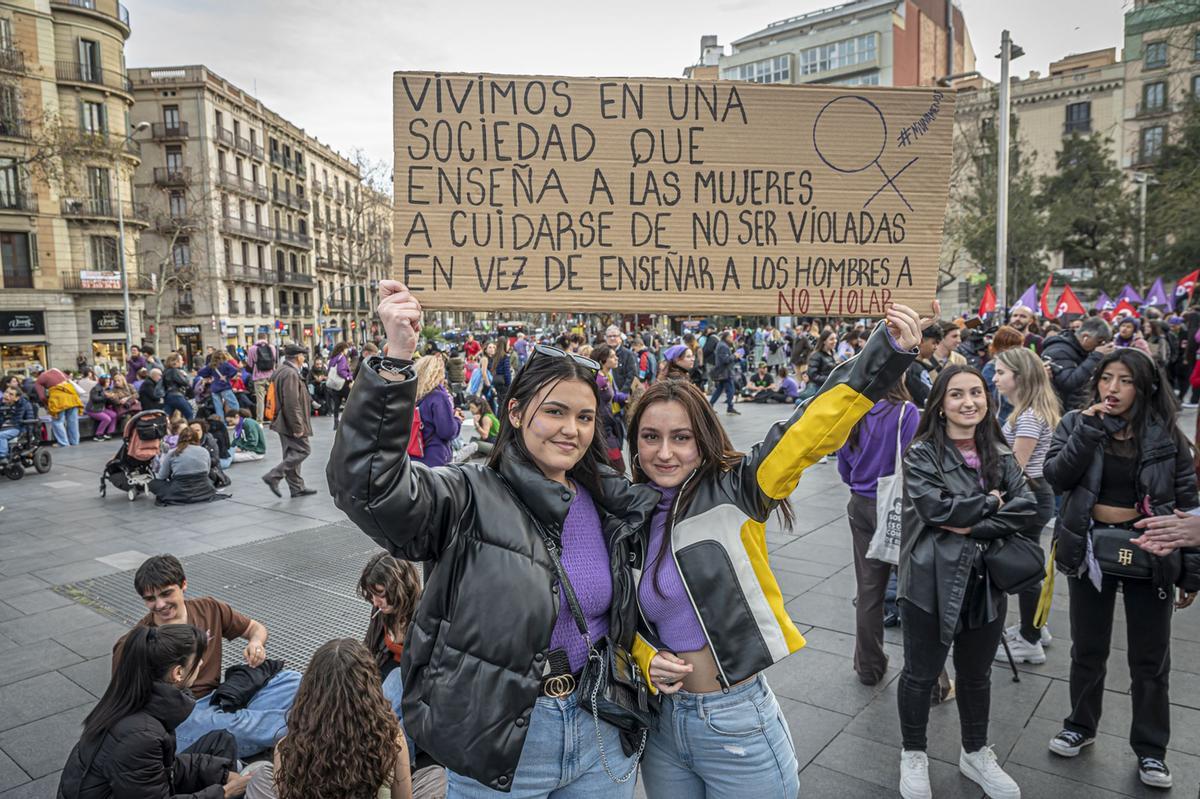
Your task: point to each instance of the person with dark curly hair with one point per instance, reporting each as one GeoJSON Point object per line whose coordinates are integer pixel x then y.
{"type": "Point", "coordinates": [393, 587]}
{"type": "Point", "coordinates": [343, 739]}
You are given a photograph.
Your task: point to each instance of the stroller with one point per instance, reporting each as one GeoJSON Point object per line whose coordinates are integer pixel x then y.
{"type": "Point", "coordinates": [132, 468]}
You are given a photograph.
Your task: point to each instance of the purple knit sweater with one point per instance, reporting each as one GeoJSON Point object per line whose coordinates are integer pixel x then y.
{"type": "Point", "coordinates": [661, 593]}
{"type": "Point", "coordinates": [585, 559]}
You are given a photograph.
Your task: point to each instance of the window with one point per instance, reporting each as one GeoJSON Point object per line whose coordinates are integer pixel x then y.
{"type": "Point", "coordinates": [865, 79]}
{"type": "Point", "coordinates": [1079, 117]}
{"type": "Point", "coordinates": [98, 185]}
{"type": "Point", "coordinates": [237, 166]}
{"type": "Point", "coordinates": [171, 116]}
{"type": "Point", "coordinates": [89, 60]}
{"type": "Point", "coordinates": [242, 209]}
{"type": "Point", "coordinates": [769, 70]}
{"type": "Point", "coordinates": [10, 108]}
{"type": "Point", "coordinates": [225, 206]}
{"type": "Point", "coordinates": [293, 264]}
{"type": "Point", "coordinates": [1154, 96]}
{"type": "Point", "coordinates": [848, 52]}
{"type": "Point", "coordinates": [220, 118]}
{"type": "Point", "coordinates": [303, 226]}
{"type": "Point", "coordinates": [1196, 86]}
{"type": "Point", "coordinates": [1151, 143]}
{"type": "Point", "coordinates": [15, 252]}
{"type": "Point", "coordinates": [174, 158]}
{"type": "Point", "coordinates": [103, 253]}
{"type": "Point", "coordinates": [177, 202]}
{"type": "Point", "coordinates": [10, 184]}
{"type": "Point", "coordinates": [245, 253]}
{"type": "Point", "coordinates": [221, 162]}
{"type": "Point", "coordinates": [181, 253]}
{"type": "Point", "coordinates": [280, 262]}
{"type": "Point", "coordinates": [1155, 55]}
{"type": "Point", "coordinates": [254, 173]}
{"type": "Point", "coordinates": [6, 40]}
{"type": "Point", "coordinates": [92, 118]}
{"type": "Point", "coordinates": [1196, 47]}
{"type": "Point", "coordinates": [237, 129]}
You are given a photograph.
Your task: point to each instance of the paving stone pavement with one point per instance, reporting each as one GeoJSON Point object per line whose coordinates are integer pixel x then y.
{"type": "Point", "coordinates": [54, 652]}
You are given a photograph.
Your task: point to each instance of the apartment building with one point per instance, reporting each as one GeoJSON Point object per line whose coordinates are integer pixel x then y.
{"type": "Point", "coordinates": [240, 198]}
{"type": "Point", "coordinates": [1162, 73]}
{"type": "Point", "coordinates": [66, 163]}
{"type": "Point", "coordinates": [859, 43]}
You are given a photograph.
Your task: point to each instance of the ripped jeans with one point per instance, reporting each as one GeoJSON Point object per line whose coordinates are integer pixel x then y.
{"type": "Point", "coordinates": [721, 746]}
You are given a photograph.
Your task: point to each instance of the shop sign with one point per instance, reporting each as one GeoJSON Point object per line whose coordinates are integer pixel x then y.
{"type": "Point", "coordinates": [99, 280]}
{"type": "Point", "coordinates": [308, 331]}
{"type": "Point", "coordinates": [184, 330]}
{"type": "Point", "coordinates": [108, 322]}
{"type": "Point", "coordinates": [22, 323]}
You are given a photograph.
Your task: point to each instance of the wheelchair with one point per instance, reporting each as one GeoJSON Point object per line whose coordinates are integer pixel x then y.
{"type": "Point", "coordinates": [27, 451]}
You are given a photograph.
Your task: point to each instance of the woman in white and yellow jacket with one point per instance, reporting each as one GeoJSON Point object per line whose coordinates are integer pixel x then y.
{"type": "Point", "coordinates": [712, 614]}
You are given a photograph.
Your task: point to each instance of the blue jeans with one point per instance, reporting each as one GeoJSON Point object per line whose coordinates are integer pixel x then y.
{"type": "Point", "coordinates": [721, 746]}
{"type": "Point", "coordinates": [7, 435]}
{"type": "Point", "coordinates": [224, 399]}
{"type": "Point", "coordinates": [726, 386]}
{"type": "Point", "coordinates": [178, 402]}
{"type": "Point", "coordinates": [561, 759]}
{"type": "Point", "coordinates": [393, 692]}
{"type": "Point", "coordinates": [256, 727]}
{"type": "Point", "coordinates": [66, 427]}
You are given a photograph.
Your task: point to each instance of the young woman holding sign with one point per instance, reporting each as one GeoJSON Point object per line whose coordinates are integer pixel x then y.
{"type": "Point", "coordinates": [712, 613]}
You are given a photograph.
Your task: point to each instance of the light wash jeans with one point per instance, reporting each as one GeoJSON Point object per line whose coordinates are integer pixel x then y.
{"type": "Point", "coordinates": [721, 746]}
{"type": "Point", "coordinates": [393, 692]}
{"type": "Point", "coordinates": [7, 435]}
{"type": "Point", "coordinates": [561, 759]}
{"type": "Point", "coordinates": [65, 427]}
{"type": "Point", "coordinates": [256, 727]}
{"type": "Point", "coordinates": [224, 399]}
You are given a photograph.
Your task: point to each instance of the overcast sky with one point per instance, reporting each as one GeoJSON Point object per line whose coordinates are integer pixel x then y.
{"type": "Point", "coordinates": [330, 73]}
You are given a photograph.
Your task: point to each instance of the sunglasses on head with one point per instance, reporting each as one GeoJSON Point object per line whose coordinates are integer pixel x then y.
{"type": "Point", "coordinates": [555, 352]}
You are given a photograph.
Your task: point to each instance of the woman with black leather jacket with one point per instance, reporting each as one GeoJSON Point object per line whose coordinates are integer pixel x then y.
{"type": "Point", "coordinates": [1119, 460]}
{"type": "Point", "coordinates": [821, 363]}
{"type": "Point", "coordinates": [964, 492]}
{"type": "Point", "coordinates": [493, 655]}
{"type": "Point", "coordinates": [177, 384]}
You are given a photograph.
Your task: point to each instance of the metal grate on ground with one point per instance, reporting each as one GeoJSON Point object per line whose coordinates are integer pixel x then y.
{"type": "Point", "coordinates": [300, 585]}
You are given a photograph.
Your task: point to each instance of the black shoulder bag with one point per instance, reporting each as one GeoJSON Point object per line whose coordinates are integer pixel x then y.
{"type": "Point", "coordinates": [611, 685]}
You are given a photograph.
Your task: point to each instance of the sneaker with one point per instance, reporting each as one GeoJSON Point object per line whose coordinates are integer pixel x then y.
{"type": "Point", "coordinates": [983, 769]}
{"type": "Point", "coordinates": [914, 775]}
{"type": "Point", "coordinates": [733, 412]}
{"type": "Point", "coordinates": [1069, 743]}
{"type": "Point", "coordinates": [1154, 772]}
{"type": "Point", "coordinates": [1015, 629]}
{"type": "Point", "coordinates": [1022, 651]}
{"type": "Point", "coordinates": [891, 619]}
{"type": "Point", "coordinates": [1190, 405]}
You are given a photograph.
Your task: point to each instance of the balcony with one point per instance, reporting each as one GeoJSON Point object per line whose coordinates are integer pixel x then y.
{"type": "Point", "coordinates": [104, 208]}
{"type": "Point", "coordinates": [1082, 126]}
{"type": "Point", "coordinates": [249, 274]}
{"type": "Point", "coordinates": [318, 224]}
{"type": "Point", "coordinates": [1145, 157]}
{"type": "Point", "coordinates": [1150, 110]}
{"type": "Point", "coordinates": [301, 170]}
{"type": "Point", "coordinates": [339, 305]}
{"type": "Point", "coordinates": [250, 308]}
{"type": "Point", "coordinates": [11, 60]}
{"type": "Point", "coordinates": [292, 237]}
{"type": "Point", "coordinates": [287, 278]}
{"type": "Point", "coordinates": [246, 227]}
{"type": "Point", "coordinates": [107, 9]}
{"type": "Point", "coordinates": [242, 144]}
{"type": "Point", "coordinates": [307, 312]}
{"type": "Point", "coordinates": [277, 158]}
{"type": "Point", "coordinates": [341, 230]}
{"type": "Point", "coordinates": [163, 131]}
{"type": "Point", "coordinates": [328, 191]}
{"type": "Point", "coordinates": [19, 201]}
{"type": "Point", "coordinates": [91, 75]}
{"type": "Point", "coordinates": [138, 284]}
{"type": "Point", "coordinates": [184, 307]}
{"type": "Point", "coordinates": [234, 308]}
{"type": "Point", "coordinates": [244, 185]}
{"type": "Point", "coordinates": [225, 137]}
{"type": "Point", "coordinates": [286, 310]}
{"type": "Point", "coordinates": [169, 224]}
{"type": "Point", "coordinates": [108, 143]}
{"type": "Point", "coordinates": [166, 176]}
{"type": "Point", "coordinates": [289, 199]}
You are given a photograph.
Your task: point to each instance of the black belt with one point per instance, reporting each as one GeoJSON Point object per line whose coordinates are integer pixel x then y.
{"type": "Point", "coordinates": [559, 681]}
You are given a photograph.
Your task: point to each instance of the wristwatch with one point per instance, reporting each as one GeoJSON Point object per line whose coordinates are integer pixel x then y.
{"type": "Point", "coordinates": [393, 367]}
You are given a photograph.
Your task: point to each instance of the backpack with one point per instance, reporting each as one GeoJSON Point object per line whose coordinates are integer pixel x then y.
{"type": "Point", "coordinates": [416, 444]}
{"type": "Point", "coordinates": [270, 403]}
{"type": "Point", "coordinates": [264, 358]}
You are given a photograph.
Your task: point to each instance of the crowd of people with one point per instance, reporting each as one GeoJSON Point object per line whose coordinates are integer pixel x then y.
{"type": "Point", "coordinates": [594, 600]}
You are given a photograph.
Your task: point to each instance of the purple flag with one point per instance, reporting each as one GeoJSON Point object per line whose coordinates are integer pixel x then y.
{"type": "Point", "coordinates": [1104, 303]}
{"type": "Point", "coordinates": [1129, 294]}
{"type": "Point", "coordinates": [1029, 299]}
{"type": "Point", "coordinates": [1158, 295]}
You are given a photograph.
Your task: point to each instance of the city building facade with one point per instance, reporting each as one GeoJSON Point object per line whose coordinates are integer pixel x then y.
{"type": "Point", "coordinates": [1162, 74]}
{"type": "Point", "coordinates": [66, 164]}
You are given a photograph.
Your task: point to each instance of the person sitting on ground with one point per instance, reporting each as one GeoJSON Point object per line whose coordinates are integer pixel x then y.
{"type": "Point", "coordinates": [220, 434]}
{"type": "Point", "coordinates": [487, 426]}
{"type": "Point", "coordinates": [162, 585]}
{"type": "Point", "coordinates": [393, 587]}
{"type": "Point", "coordinates": [342, 740]}
{"type": "Point", "coordinates": [128, 748]}
{"type": "Point", "coordinates": [759, 382]}
{"type": "Point", "coordinates": [175, 425]}
{"type": "Point", "coordinates": [249, 443]}
{"type": "Point", "coordinates": [205, 439]}
{"type": "Point", "coordinates": [785, 389]}
{"type": "Point", "coordinates": [15, 411]}
{"type": "Point", "coordinates": [182, 474]}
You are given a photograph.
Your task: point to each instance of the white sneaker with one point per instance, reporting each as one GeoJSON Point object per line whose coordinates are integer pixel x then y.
{"type": "Point", "coordinates": [982, 768]}
{"type": "Point", "coordinates": [1022, 651]}
{"type": "Point", "coordinates": [1015, 629]}
{"type": "Point", "coordinates": [914, 775]}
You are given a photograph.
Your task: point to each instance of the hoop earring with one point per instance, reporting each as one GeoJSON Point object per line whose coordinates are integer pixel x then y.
{"type": "Point", "coordinates": [635, 462]}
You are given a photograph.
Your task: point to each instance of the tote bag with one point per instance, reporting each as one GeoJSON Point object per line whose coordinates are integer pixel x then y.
{"type": "Point", "coordinates": [889, 497]}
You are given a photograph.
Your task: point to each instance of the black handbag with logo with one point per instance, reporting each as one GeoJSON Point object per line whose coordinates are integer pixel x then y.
{"type": "Point", "coordinates": [1118, 556]}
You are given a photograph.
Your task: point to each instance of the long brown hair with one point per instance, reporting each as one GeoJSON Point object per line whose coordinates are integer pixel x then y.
{"type": "Point", "coordinates": [717, 454]}
{"type": "Point", "coordinates": [343, 738]}
{"type": "Point", "coordinates": [186, 436]}
{"type": "Point", "coordinates": [988, 436]}
{"type": "Point", "coordinates": [401, 587]}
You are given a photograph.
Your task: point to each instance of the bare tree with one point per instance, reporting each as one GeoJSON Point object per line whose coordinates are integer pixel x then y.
{"type": "Point", "coordinates": [374, 200]}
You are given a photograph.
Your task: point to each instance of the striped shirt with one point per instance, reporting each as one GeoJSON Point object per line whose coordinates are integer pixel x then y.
{"type": "Point", "coordinates": [1030, 425]}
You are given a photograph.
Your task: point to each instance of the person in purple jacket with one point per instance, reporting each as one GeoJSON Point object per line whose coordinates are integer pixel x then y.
{"type": "Point", "coordinates": [135, 362]}
{"type": "Point", "coordinates": [220, 371]}
{"type": "Point", "coordinates": [440, 422]}
{"type": "Point", "coordinates": [339, 362]}
{"type": "Point", "coordinates": [869, 454]}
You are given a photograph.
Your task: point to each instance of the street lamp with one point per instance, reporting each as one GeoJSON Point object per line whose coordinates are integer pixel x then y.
{"type": "Point", "coordinates": [1143, 179]}
{"type": "Point", "coordinates": [121, 238]}
{"type": "Point", "coordinates": [1008, 51]}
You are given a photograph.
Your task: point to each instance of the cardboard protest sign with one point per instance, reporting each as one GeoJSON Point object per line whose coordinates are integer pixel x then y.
{"type": "Point", "coordinates": [657, 195]}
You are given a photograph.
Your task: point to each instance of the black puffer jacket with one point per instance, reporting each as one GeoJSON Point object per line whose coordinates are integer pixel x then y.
{"type": "Point", "coordinates": [941, 490]}
{"type": "Point", "coordinates": [475, 650]}
{"type": "Point", "coordinates": [136, 759]}
{"type": "Point", "coordinates": [820, 366]}
{"type": "Point", "coordinates": [1071, 368]}
{"type": "Point", "coordinates": [1166, 476]}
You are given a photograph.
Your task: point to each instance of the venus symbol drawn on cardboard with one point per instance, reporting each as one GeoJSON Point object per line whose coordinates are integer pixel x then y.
{"type": "Point", "coordinates": [867, 115]}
